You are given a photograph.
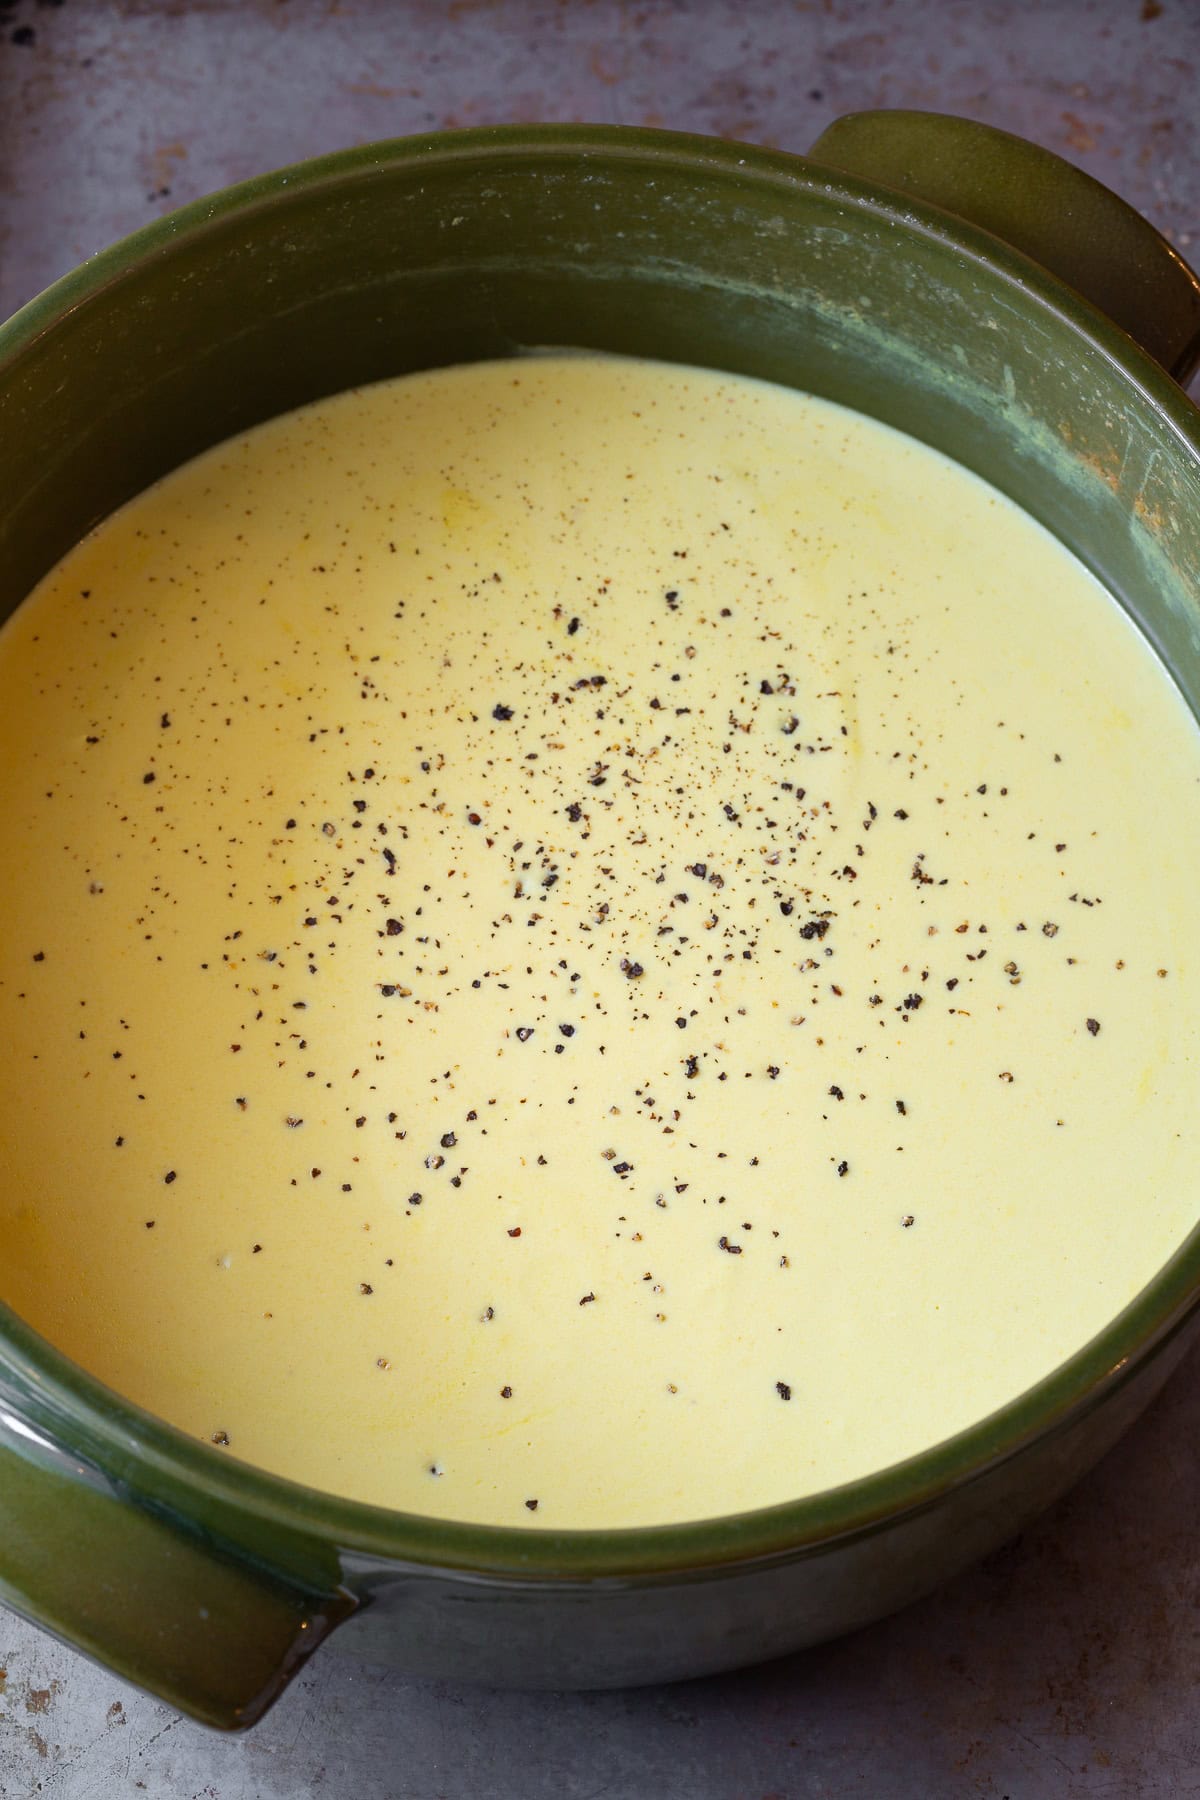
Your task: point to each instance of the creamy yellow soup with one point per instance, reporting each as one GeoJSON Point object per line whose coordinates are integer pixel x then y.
{"type": "Point", "coordinates": [586, 943]}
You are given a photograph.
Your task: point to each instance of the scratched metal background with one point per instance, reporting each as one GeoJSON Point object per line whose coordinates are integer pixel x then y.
{"type": "Point", "coordinates": [1069, 1665]}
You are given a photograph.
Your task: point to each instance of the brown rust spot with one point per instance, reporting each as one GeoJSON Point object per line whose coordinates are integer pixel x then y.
{"type": "Point", "coordinates": [1105, 467]}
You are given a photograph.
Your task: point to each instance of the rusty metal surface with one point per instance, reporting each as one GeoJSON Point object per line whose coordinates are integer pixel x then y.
{"type": "Point", "coordinates": [1070, 1664]}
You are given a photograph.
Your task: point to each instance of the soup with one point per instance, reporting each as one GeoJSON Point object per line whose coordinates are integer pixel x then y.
{"type": "Point", "coordinates": [586, 943]}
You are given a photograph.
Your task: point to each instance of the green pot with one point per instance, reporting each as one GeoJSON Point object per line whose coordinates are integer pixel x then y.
{"type": "Point", "coordinates": [206, 1581]}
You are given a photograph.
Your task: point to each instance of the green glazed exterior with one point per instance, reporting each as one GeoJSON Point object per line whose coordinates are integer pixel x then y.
{"type": "Point", "coordinates": [202, 1579]}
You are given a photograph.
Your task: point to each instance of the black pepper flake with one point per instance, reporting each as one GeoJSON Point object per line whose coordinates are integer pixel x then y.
{"type": "Point", "coordinates": [364, 1287]}
{"type": "Point", "coordinates": [169, 1177]}
{"type": "Point", "coordinates": [631, 970]}
{"type": "Point", "coordinates": [532, 1505]}
{"type": "Point", "coordinates": [394, 928]}
{"type": "Point", "coordinates": [1093, 1026]}
{"type": "Point", "coordinates": [913, 1001]}
{"type": "Point", "coordinates": [524, 1033]}
{"type": "Point", "coordinates": [514, 1231]}
{"type": "Point", "coordinates": [907, 1221]}
{"type": "Point", "coordinates": [783, 1390]}
{"type": "Point", "coordinates": [837, 1093]}
{"type": "Point", "coordinates": [502, 712]}
{"type": "Point", "coordinates": [587, 1300]}
{"type": "Point", "coordinates": [732, 1249]}
{"type": "Point", "coordinates": [901, 1108]}
{"type": "Point", "coordinates": [448, 1140]}
{"type": "Point", "coordinates": [815, 928]}
{"type": "Point", "coordinates": [506, 1393]}
{"type": "Point", "coordinates": [843, 1168]}
{"type": "Point", "coordinates": [567, 1030]}
{"type": "Point", "coordinates": [148, 777]}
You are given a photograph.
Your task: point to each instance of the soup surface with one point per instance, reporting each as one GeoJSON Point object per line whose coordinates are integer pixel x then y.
{"type": "Point", "coordinates": [586, 943]}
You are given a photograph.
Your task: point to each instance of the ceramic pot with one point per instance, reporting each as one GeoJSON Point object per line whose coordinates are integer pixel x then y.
{"type": "Point", "coordinates": [921, 269]}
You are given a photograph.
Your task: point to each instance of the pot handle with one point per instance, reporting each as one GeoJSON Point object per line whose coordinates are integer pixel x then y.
{"type": "Point", "coordinates": [190, 1616]}
{"type": "Point", "coordinates": [1040, 204]}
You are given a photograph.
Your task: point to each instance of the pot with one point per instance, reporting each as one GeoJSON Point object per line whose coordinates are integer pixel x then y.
{"type": "Point", "coordinates": [949, 302]}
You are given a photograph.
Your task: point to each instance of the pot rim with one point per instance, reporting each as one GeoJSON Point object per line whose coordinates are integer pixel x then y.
{"type": "Point", "coordinates": [67, 1396]}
